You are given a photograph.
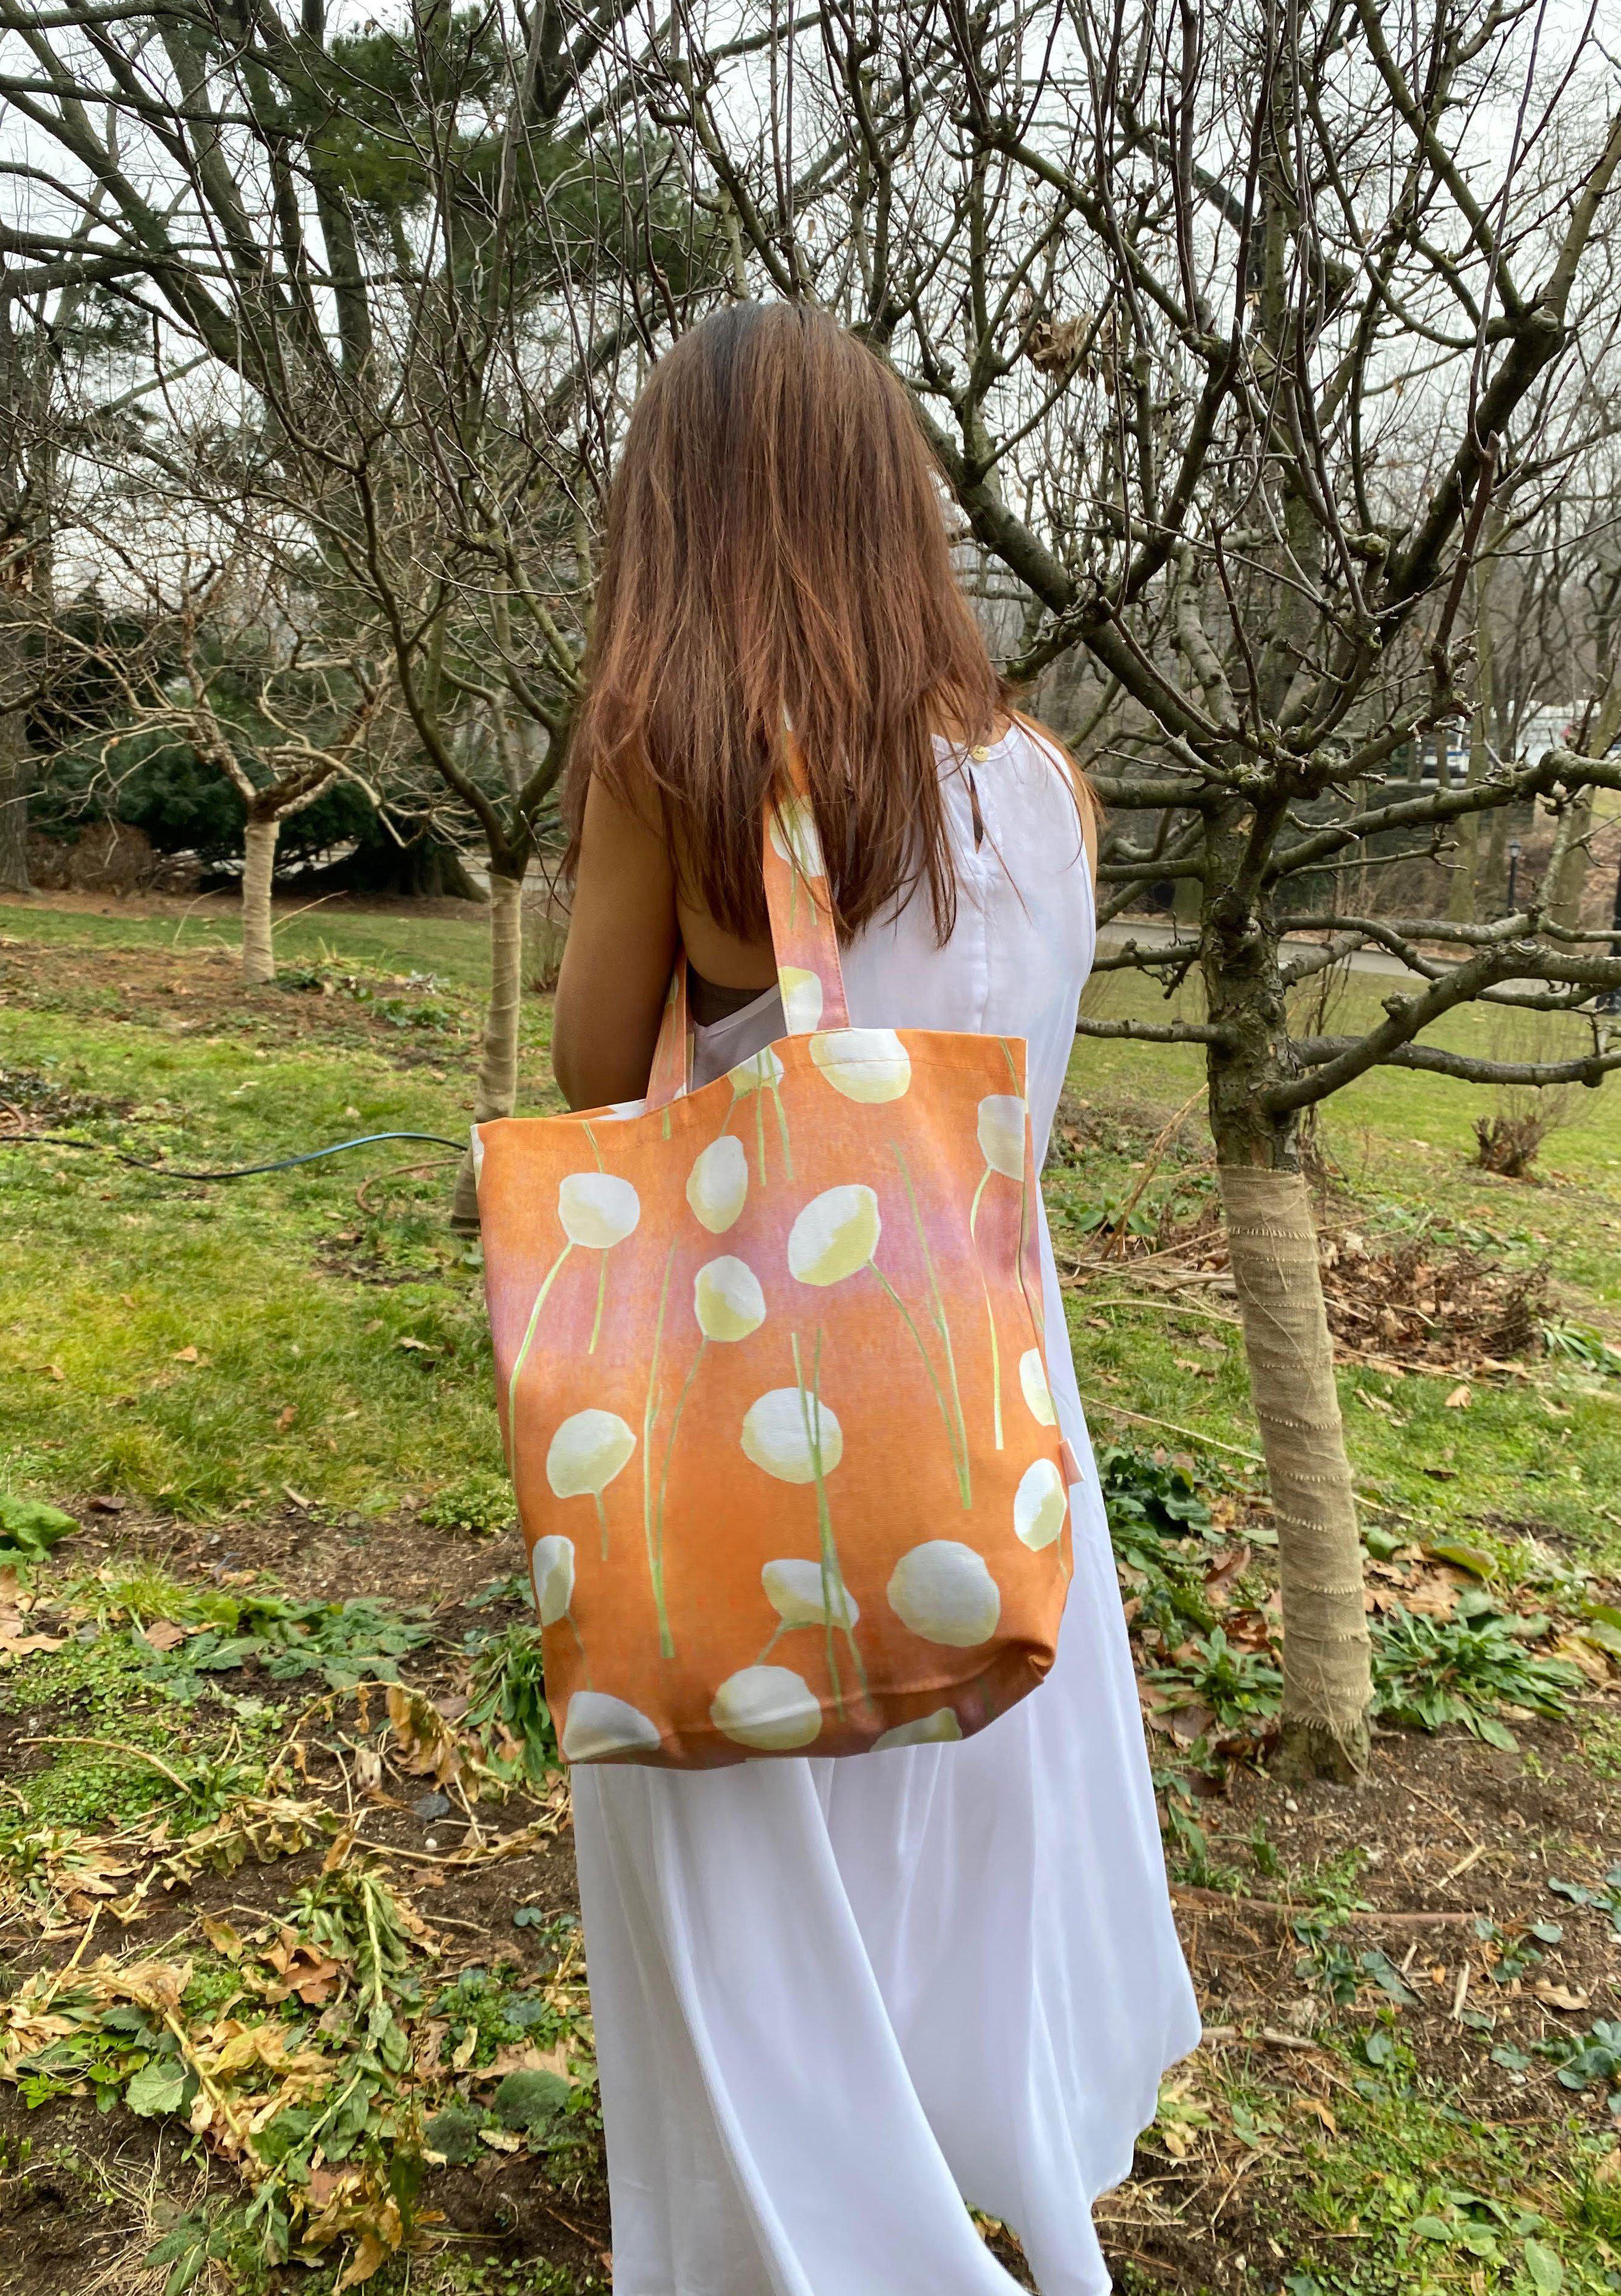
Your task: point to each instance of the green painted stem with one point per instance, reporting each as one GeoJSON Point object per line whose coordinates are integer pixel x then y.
{"type": "Point", "coordinates": [653, 1520]}
{"type": "Point", "coordinates": [521, 1356]}
{"type": "Point", "coordinates": [996, 1353]}
{"type": "Point", "coordinates": [958, 1460]}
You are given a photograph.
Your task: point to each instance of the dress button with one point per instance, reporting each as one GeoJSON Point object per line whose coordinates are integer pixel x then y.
{"type": "Point", "coordinates": [979, 753]}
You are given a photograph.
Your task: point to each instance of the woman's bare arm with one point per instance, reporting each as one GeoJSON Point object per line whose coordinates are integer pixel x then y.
{"type": "Point", "coordinates": [616, 964]}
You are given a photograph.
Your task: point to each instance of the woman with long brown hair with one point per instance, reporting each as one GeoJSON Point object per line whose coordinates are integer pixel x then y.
{"type": "Point", "coordinates": [834, 2001]}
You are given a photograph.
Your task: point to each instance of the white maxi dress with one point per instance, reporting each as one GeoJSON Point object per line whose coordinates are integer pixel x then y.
{"type": "Point", "coordinates": [836, 2000]}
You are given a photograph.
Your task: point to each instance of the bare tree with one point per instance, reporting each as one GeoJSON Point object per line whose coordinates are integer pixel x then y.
{"type": "Point", "coordinates": [1233, 330]}
{"type": "Point", "coordinates": [423, 251]}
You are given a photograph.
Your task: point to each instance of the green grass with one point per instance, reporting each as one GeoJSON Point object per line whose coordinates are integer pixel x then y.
{"type": "Point", "coordinates": [113, 1276]}
{"type": "Point", "coordinates": [1417, 2197]}
{"type": "Point", "coordinates": [390, 941]}
{"type": "Point", "coordinates": [301, 1376]}
{"type": "Point", "coordinates": [1544, 1453]}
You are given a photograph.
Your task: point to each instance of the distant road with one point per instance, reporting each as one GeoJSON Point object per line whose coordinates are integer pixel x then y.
{"type": "Point", "coordinates": [1149, 935]}
{"type": "Point", "coordinates": [1363, 960]}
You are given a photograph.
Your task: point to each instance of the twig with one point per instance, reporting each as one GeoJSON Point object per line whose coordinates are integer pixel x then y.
{"type": "Point", "coordinates": [1169, 1426]}
{"type": "Point", "coordinates": [114, 1746]}
{"type": "Point", "coordinates": [1168, 1308]}
{"type": "Point", "coordinates": [279, 924]}
{"type": "Point", "coordinates": [1150, 1165]}
{"type": "Point", "coordinates": [1286, 1912]}
{"type": "Point", "coordinates": [1439, 1807]}
{"type": "Point", "coordinates": [399, 1172]}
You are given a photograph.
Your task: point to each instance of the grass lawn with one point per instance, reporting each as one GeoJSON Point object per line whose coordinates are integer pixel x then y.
{"type": "Point", "coordinates": [292, 1983]}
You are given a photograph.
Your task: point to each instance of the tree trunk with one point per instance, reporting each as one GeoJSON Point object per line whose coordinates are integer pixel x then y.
{"type": "Point", "coordinates": [1570, 881]}
{"type": "Point", "coordinates": [1272, 1240]}
{"type": "Point", "coordinates": [1463, 903]}
{"type": "Point", "coordinates": [497, 1084]}
{"type": "Point", "coordinates": [16, 776]}
{"type": "Point", "coordinates": [16, 780]}
{"type": "Point", "coordinates": [257, 870]}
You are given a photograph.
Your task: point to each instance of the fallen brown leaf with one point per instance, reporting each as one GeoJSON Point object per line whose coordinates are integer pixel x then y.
{"type": "Point", "coordinates": [1558, 1996]}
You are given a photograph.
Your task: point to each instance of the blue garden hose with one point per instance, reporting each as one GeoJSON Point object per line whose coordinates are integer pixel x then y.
{"type": "Point", "coordinates": [234, 1171]}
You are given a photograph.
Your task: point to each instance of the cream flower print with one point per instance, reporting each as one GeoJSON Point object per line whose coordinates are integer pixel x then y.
{"type": "Point", "coordinates": [728, 1300]}
{"type": "Point", "coordinates": [865, 1064]}
{"type": "Point", "coordinates": [1000, 1126]}
{"type": "Point", "coordinates": [834, 1236]}
{"type": "Point", "coordinates": [552, 1566]}
{"type": "Point", "coordinates": [800, 1596]}
{"type": "Point", "coordinates": [587, 1452]}
{"type": "Point", "coordinates": [941, 1728]}
{"type": "Point", "coordinates": [1037, 1394]}
{"type": "Point", "coordinates": [791, 1442]}
{"type": "Point", "coordinates": [802, 998]}
{"type": "Point", "coordinates": [754, 1078]}
{"type": "Point", "coordinates": [769, 1708]}
{"type": "Point", "coordinates": [760, 1073]}
{"type": "Point", "coordinates": [1040, 1505]}
{"type": "Point", "coordinates": [944, 1592]}
{"type": "Point", "coordinates": [597, 1727]}
{"type": "Point", "coordinates": [598, 1209]}
{"type": "Point", "coordinates": [718, 1185]}
{"type": "Point", "coordinates": [794, 1436]}
{"type": "Point", "coordinates": [1001, 1133]}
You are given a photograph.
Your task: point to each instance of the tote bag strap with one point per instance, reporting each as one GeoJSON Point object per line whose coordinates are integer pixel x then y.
{"type": "Point", "coordinates": [803, 937]}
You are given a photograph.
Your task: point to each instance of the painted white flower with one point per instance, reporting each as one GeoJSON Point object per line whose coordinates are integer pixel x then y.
{"type": "Point", "coordinates": [767, 1707]}
{"type": "Point", "coordinates": [598, 1209]}
{"type": "Point", "coordinates": [587, 1452]}
{"type": "Point", "coordinates": [794, 1589]}
{"type": "Point", "coordinates": [802, 998]}
{"type": "Point", "coordinates": [761, 1068]}
{"type": "Point", "coordinates": [871, 1065]}
{"type": "Point", "coordinates": [1040, 1505]}
{"type": "Point", "coordinates": [941, 1728]}
{"type": "Point", "coordinates": [553, 1566]}
{"type": "Point", "coordinates": [599, 1726]}
{"type": "Point", "coordinates": [942, 1591]}
{"type": "Point", "coordinates": [837, 1234]}
{"type": "Point", "coordinates": [718, 1185]}
{"type": "Point", "coordinates": [726, 1300]}
{"type": "Point", "coordinates": [779, 1428]}
{"type": "Point", "coordinates": [1001, 1133]}
{"type": "Point", "coordinates": [1038, 1395]}
{"type": "Point", "coordinates": [793, 836]}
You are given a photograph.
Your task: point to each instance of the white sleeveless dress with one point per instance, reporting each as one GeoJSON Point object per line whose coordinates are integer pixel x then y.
{"type": "Point", "coordinates": [835, 2000]}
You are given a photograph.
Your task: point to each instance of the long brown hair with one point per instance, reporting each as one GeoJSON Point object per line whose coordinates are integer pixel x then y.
{"type": "Point", "coordinates": [777, 548]}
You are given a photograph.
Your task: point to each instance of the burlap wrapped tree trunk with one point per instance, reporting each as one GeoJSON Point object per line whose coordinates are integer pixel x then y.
{"type": "Point", "coordinates": [257, 872]}
{"type": "Point", "coordinates": [497, 1084]}
{"type": "Point", "coordinates": [1272, 1239]}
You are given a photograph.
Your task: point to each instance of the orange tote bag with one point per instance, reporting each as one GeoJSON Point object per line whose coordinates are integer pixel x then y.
{"type": "Point", "coordinates": [770, 1371]}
